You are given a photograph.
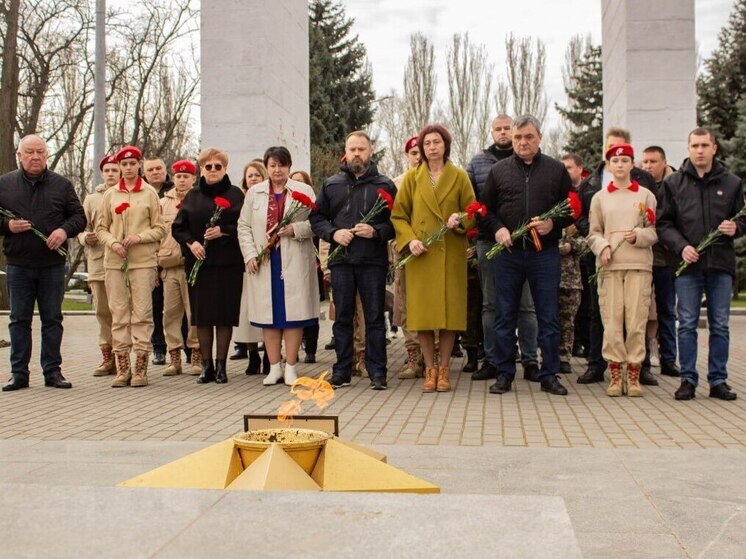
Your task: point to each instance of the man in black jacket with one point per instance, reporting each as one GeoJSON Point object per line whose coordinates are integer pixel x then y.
{"type": "Point", "coordinates": [598, 180]}
{"type": "Point", "coordinates": [702, 196]}
{"type": "Point", "coordinates": [44, 200]}
{"type": "Point", "coordinates": [363, 264]}
{"type": "Point", "coordinates": [518, 189]}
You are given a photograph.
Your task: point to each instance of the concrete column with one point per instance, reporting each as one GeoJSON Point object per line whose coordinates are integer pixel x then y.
{"type": "Point", "coordinates": [254, 80]}
{"type": "Point", "coordinates": [649, 71]}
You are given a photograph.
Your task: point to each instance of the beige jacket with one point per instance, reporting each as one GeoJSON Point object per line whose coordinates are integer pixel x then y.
{"type": "Point", "coordinates": [94, 254]}
{"type": "Point", "coordinates": [298, 258]}
{"type": "Point", "coordinates": [615, 213]}
{"type": "Point", "coordinates": [142, 218]}
{"type": "Point", "coordinates": [169, 253]}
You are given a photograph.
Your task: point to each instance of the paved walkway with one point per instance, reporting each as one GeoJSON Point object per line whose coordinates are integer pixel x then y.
{"type": "Point", "coordinates": [177, 409]}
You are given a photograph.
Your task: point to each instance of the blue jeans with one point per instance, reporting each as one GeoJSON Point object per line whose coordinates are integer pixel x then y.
{"type": "Point", "coordinates": [527, 328]}
{"type": "Point", "coordinates": [665, 302]}
{"type": "Point", "coordinates": [717, 287]}
{"type": "Point", "coordinates": [26, 287]}
{"type": "Point", "coordinates": [542, 270]}
{"type": "Point", "coordinates": [370, 282]}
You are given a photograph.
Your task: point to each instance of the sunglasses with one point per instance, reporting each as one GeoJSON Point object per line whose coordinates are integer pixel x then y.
{"type": "Point", "coordinates": [217, 166]}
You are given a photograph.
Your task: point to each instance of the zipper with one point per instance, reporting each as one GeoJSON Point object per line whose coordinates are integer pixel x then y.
{"type": "Point", "coordinates": [527, 175]}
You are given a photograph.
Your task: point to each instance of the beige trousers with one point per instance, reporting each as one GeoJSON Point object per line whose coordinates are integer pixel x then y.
{"type": "Point", "coordinates": [131, 308]}
{"type": "Point", "coordinates": [175, 304]}
{"type": "Point", "coordinates": [411, 341]}
{"type": "Point", "coordinates": [624, 302]}
{"type": "Point", "coordinates": [103, 314]}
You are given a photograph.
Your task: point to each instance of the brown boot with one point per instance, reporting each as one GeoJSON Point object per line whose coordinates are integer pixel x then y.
{"type": "Point", "coordinates": [123, 370]}
{"type": "Point", "coordinates": [410, 367]}
{"type": "Point", "coordinates": [615, 387]}
{"type": "Point", "coordinates": [196, 368]}
{"type": "Point", "coordinates": [634, 389]}
{"type": "Point", "coordinates": [107, 366]}
{"type": "Point", "coordinates": [174, 366]}
{"type": "Point", "coordinates": [444, 381]}
{"type": "Point", "coordinates": [431, 379]}
{"type": "Point", "coordinates": [140, 378]}
{"type": "Point", "coordinates": [361, 368]}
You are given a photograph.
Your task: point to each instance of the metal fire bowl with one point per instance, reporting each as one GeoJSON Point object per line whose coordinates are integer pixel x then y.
{"type": "Point", "coordinates": [302, 445]}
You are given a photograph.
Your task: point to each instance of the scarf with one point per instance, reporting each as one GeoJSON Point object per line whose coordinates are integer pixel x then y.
{"type": "Point", "coordinates": [275, 209]}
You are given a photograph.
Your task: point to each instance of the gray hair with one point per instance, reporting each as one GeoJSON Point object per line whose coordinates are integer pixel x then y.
{"type": "Point", "coordinates": [525, 120]}
{"type": "Point", "coordinates": [29, 137]}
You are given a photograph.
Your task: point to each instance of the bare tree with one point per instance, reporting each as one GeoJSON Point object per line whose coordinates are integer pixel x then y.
{"type": "Point", "coordinates": [419, 82]}
{"type": "Point", "coordinates": [526, 64]}
{"type": "Point", "coordinates": [502, 98]}
{"type": "Point", "coordinates": [10, 11]}
{"type": "Point", "coordinates": [469, 97]}
{"type": "Point", "coordinates": [392, 132]}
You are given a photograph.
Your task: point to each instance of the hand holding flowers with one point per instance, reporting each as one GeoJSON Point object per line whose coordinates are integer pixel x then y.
{"type": "Point", "coordinates": [363, 227]}
{"type": "Point", "coordinates": [220, 205]}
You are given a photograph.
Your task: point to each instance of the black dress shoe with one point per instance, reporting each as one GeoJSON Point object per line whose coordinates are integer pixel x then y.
{"type": "Point", "coordinates": [472, 363]}
{"type": "Point", "coordinates": [16, 382]}
{"type": "Point", "coordinates": [208, 372]}
{"type": "Point", "coordinates": [330, 345]}
{"type": "Point", "coordinates": [378, 384]}
{"type": "Point", "coordinates": [591, 376]}
{"type": "Point", "coordinates": [565, 367]}
{"type": "Point", "coordinates": [265, 364]}
{"type": "Point", "coordinates": [159, 358]}
{"type": "Point", "coordinates": [221, 375]}
{"type": "Point", "coordinates": [240, 353]}
{"type": "Point", "coordinates": [502, 385]}
{"type": "Point", "coordinates": [310, 358]}
{"type": "Point", "coordinates": [480, 353]}
{"type": "Point", "coordinates": [456, 351]}
{"type": "Point", "coordinates": [687, 391]}
{"type": "Point", "coordinates": [670, 370]}
{"type": "Point", "coordinates": [487, 372]}
{"type": "Point", "coordinates": [722, 392]}
{"type": "Point", "coordinates": [553, 386]}
{"type": "Point", "coordinates": [647, 378]}
{"type": "Point", "coordinates": [57, 381]}
{"type": "Point", "coordinates": [255, 363]}
{"type": "Point", "coordinates": [531, 372]}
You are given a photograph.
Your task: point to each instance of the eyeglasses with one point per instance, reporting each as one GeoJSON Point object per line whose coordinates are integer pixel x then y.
{"type": "Point", "coordinates": [217, 166]}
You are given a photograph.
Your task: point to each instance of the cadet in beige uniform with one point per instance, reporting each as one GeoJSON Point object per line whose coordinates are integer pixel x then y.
{"type": "Point", "coordinates": [94, 252]}
{"type": "Point", "coordinates": [173, 276]}
{"type": "Point", "coordinates": [130, 226]}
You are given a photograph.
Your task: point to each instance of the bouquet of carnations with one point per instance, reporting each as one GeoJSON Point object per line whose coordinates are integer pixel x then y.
{"type": "Point", "coordinates": [384, 200]}
{"type": "Point", "coordinates": [300, 202]}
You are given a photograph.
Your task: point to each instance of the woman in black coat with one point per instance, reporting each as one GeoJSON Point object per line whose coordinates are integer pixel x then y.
{"type": "Point", "coordinates": [215, 286]}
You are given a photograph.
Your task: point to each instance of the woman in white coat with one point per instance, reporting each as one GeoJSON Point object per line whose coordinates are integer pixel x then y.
{"type": "Point", "coordinates": [284, 292]}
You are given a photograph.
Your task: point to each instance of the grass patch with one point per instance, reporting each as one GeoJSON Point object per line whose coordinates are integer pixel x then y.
{"type": "Point", "coordinates": [73, 305]}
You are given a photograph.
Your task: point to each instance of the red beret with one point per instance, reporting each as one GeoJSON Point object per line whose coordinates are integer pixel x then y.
{"type": "Point", "coordinates": [184, 166]}
{"type": "Point", "coordinates": [107, 159]}
{"type": "Point", "coordinates": [620, 149]}
{"type": "Point", "coordinates": [411, 142]}
{"type": "Point", "coordinates": [129, 152]}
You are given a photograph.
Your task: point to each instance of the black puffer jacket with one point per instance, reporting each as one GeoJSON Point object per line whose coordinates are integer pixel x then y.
{"type": "Point", "coordinates": [478, 169]}
{"type": "Point", "coordinates": [342, 203]}
{"type": "Point", "coordinates": [691, 206]}
{"type": "Point", "coordinates": [515, 192]}
{"type": "Point", "coordinates": [49, 202]}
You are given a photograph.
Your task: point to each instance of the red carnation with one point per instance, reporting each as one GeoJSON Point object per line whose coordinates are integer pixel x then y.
{"type": "Point", "coordinates": [303, 199]}
{"type": "Point", "coordinates": [472, 233]}
{"type": "Point", "coordinates": [121, 207]}
{"type": "Point", "coordinates": [476, 208]}
{"type": "Point", "coordinates": [222, 202]}
{"type": "Point", "coordinates": [575, 205]}
{"type": "Point", "coordinates": [387, 198]}
{"type": "Point", "coordinates": [178, 205]}
{"type": "Point", "coordinates": [650, 216]}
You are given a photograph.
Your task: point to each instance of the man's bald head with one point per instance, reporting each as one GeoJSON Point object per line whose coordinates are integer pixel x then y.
{"type": "Point", "coordinates": [32, 155]}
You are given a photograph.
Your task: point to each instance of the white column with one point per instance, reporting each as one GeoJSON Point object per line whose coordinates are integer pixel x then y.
{"type": "Point", "coordinates": [254, 80]}
{"type": "Point", "coordinates": [649, 72]}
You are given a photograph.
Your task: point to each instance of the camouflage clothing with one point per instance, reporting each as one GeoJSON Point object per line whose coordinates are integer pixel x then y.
{"type": "Point", "coordinates": [571, 289]}
{"type": "Point", "coordinates": [473, 335]}
{"type": "Point", "coordinates": [569, 301]}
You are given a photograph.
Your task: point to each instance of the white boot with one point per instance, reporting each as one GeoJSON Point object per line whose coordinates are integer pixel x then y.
{"type": "Point", "coordinates": [274, 376]}
{"type": "Point", "coordinates": [290, 376]}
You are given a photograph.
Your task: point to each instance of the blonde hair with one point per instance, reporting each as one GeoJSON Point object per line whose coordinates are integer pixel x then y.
{"type": "Point", "coordinates": [259, 166]}
{"type": "Point", "coordinates": [209, 153]}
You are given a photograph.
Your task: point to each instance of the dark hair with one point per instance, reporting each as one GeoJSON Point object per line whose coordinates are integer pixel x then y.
{"type": "Point", "coordinates": [280, 153]}
{"type": "Point", "coordinates": [655, 149]}
{"type": "Point", "coordinates": [574, 157]}
{"type": "Point", "coordinates": [434, 129]}
{"type": "Point", "coordinates": [702, 131]}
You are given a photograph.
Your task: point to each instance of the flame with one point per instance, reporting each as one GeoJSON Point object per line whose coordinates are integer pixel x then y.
{"type": "Point", "coordinates": [306, 389]}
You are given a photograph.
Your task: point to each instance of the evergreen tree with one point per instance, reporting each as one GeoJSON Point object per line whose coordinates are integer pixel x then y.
{"type": "Point", "coordinates": [340, 85]}
{"type": "Point", "coordinates": [584, 113]}
{"type": "Point", "coordinates": [735, 147]}
{"type": "Point", "coordinates": [723, 82]}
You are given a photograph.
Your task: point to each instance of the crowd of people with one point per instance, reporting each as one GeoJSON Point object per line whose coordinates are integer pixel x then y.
{"type": "Point", "coordinates": [519, 257]}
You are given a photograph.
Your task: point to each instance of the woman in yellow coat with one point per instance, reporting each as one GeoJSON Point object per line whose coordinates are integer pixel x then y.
{"type": "Point", "coordinates": [430, 195]}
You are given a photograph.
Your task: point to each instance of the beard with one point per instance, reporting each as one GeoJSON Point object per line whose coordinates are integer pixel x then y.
{"type": "Point", "coordinates": [358, 166]}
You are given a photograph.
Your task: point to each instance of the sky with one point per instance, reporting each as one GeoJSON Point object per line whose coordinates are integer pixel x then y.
{"type": "Point", "coordinates": [384, 27]}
